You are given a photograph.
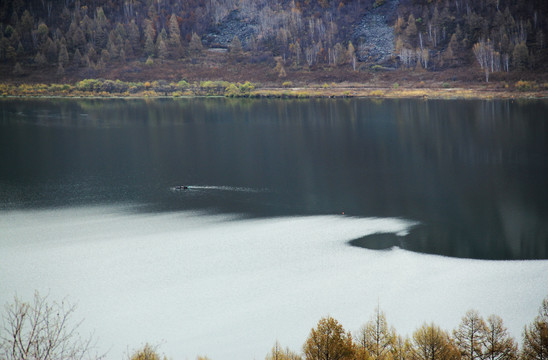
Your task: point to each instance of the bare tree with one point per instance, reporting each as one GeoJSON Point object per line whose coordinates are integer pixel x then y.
{"type": "Point", "coordinates": [41, 330]}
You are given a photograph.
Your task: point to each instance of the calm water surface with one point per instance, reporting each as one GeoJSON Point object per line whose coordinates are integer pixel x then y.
{"type": "Point", "coordinates": [472, 174]}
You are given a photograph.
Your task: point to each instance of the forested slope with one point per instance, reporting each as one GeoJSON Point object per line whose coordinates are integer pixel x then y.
{"type": "Point", "coordinates": [88, 36]}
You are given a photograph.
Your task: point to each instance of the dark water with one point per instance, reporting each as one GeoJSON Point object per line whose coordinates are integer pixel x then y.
{"type": "Point", "coordinates": [474, 174]}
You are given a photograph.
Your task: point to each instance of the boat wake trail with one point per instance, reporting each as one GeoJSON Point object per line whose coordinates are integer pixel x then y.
{"type": "Point", "coordinates": [217, 188]}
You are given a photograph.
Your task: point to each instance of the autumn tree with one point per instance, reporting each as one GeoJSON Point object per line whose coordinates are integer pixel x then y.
{"type": "Point", "coordinates": [470, 336]}
{"type": "Point", "coordinates": [148, 352]}
{"type": "Point", "coordinates": [236, 50]}
{"type": "Point", "coordinates": [339, 54]}
{"type": "Point", "coordinates": [42, 330]}
{"type": "Point", "coordinates": [535, 336]}
{"type": "Point", "coordinates": [195, 46]}
{"type": "Point", "coordinates": [174, 42]}
{"type": "Point", "coordinates": [430, 342]}
{"type": "Point", "coordinates": [296, 51]}
{"type": "Point", "coordinates": [40, 35]}
{"type": "Point", "coordinates": [452, 50]}
{"type": "Point", "coordinates": [101, 29]}
{"type": "Point", "coordinates": [279, 353]}
{"type": "Point", "coordinates": [402, 349]}
{"type": "Point", "coordinates": [411, 30]}
{"type": "Point", "coordinates": [162, 49]}
{"type": "Point", "coordinates": [376, 338]}
{"type": "Point", "coordinates": [134, 36]}
{"type": "Point", "coordinates": [328, 341]}
{"type": "Point", "coordinates": [351, 54]}
{"type": "Point", "coordinates": [499, 345]}
{"type": "Point", "coordinates": [150, 35]}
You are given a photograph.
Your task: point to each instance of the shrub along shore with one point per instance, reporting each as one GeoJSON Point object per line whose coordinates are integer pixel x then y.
{"type": "Point", "coordinates": [161, 88]}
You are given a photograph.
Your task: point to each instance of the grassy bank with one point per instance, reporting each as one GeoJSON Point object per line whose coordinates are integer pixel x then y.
{"type": "Point", "coordinates": [117, 88]}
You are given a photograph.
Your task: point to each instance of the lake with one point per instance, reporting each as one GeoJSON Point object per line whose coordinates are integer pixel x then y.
{"type": "Point", "coordinates": [473, 174]}
{"type": "Point", "coordinates": [284, 196]}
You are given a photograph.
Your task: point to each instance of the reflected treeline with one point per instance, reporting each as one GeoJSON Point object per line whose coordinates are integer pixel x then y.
{"type": "Point", "coordinates": [473, 173]}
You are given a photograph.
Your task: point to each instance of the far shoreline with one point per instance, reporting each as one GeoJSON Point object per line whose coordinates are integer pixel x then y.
{"type": "Point", "coordinates": [220, 89]}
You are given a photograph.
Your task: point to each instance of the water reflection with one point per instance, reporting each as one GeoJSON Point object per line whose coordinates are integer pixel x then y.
{"type": "Point", "coordinates": [473, 173]}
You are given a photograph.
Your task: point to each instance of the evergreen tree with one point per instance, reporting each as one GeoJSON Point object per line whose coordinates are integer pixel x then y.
{"type": "Point", "coordinates": [77, 58]}
{"type": "Point", "coordinates": [92, 54]}
{"type": "Point", "coordinates": [520, 56]}
{"type": "Point", "coordinates": [50, 51]}
{"type": "Point", "coordinates": [40, 59]}
{"type": "Point", "coordinates": [20, 50]}
{"type": "Point", "coordinates": [25, 28]}
{"type": "Point", "coordinates": [18, 69]}
{"type": "Point", "coordinates": [4, 44]}
{"type": "Point", "coordinates": [11, 54]}
{"type": "Point", "coordinates": [63, 55]}
{"type": "Point", "coordinates": [105, 57]}
{"type": "Point", "coordinates": [78, 39]}
{"type": "Point", "coordinates": [128, 49]}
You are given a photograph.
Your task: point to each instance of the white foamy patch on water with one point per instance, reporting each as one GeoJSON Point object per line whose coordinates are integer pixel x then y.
{"type": "Point", "coordinates": [228, 287]}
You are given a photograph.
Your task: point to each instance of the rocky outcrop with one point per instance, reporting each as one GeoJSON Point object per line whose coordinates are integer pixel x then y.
{"type": "Point", "coordinates": [374, 35]}
{"type": "Point", "coordinates": [222, 34]}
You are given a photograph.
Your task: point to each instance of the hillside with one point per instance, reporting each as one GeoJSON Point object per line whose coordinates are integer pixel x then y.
{"type": "Point", "coordinates": [273, 40]}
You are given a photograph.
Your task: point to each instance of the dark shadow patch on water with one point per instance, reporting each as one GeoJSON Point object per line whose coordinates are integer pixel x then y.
{"type": "Point", "coordinates": [432, 239]}
{"type": "Point", "coordinates": [451, 240]}
{"type": "Point", "coordinates": [378, 241]}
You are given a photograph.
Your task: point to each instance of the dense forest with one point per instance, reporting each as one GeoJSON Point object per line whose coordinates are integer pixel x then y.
{"type": "Point", "coordinates": [88, 36]}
